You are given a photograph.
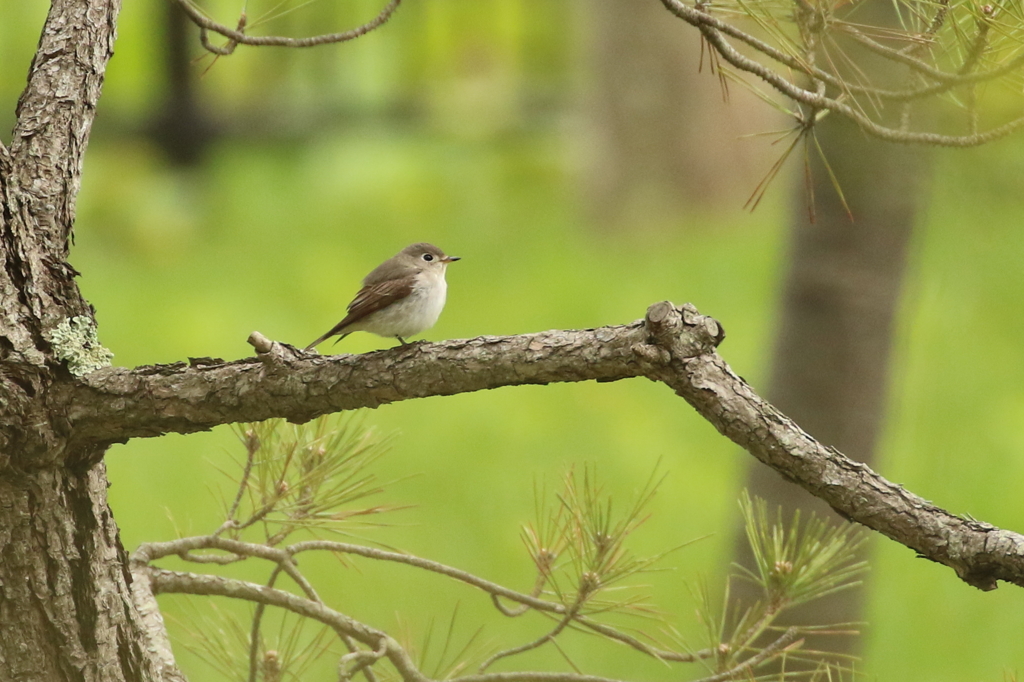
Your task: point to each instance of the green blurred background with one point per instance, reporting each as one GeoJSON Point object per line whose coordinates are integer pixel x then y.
{"type": "Point", "coordinates": [463, 123]}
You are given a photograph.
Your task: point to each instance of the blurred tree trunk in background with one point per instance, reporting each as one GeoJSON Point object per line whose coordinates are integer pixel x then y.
{"type": "Point", "coordinates": [840, 297]}
{"type": "Point", "coordinates": [181, 128]}
{"type": "Point", "coordinates": [839, 301]}
{"type": "Point", "coordinates": [661, 138]}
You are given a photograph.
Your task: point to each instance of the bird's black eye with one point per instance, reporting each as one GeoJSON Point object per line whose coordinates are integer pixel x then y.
{"type": "Point", "coordinates": [428, 257]}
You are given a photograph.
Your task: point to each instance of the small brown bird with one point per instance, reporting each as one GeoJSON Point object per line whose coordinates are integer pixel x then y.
{"type": "Point", "coordinates": [402, 297]}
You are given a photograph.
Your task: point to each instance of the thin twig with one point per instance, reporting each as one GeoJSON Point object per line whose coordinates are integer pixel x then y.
{"type": "Point", "coordinates": [635, 643]}
{"type": "Point", "coordinates": [505, 611]}
{"type": "Point", "coordinates": [238, 37]}
{"type": "Point", "coordinates": [538, 589]}
{"type": "Point", "coordinates": [254, 630]}
{"type": "Point", "coordinates": [164, 582]}
{"type": "Point", "coordinates": [360, 660]}
{"type": "Point", "coordinates": [252, 446]}
{"type": "Point", "coordinates": [744, 668]}
{"type": "Point", "coordinates": [977, 49]}
{"type": "Point", "coordinates": [540, 641]}
{"type": "Point", "coordinates": [351, 645]}
{"type": "Point", "coordinates": [433, 566]}
{"type": "Point", "coordinates": [153, 551]}
{"type": "Point", "coordinates": [168, 582]}
{"type": "Point", "coordinates": [219, 559]}
{"type": "Point", "coordinates": [867, 125]}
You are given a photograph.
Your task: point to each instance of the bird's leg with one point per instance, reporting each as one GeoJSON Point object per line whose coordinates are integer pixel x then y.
{"type": "Point", "coordinates": [401, 340]}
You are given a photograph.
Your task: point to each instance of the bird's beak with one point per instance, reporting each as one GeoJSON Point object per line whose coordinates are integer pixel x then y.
{"type": "Point", "coordinates": [451, 259]}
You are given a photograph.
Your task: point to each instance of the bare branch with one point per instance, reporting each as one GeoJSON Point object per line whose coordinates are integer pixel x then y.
{"type": "Point", "coordinates": [115, 404]}
{"type": "Point", "coordinates": [150, 580]}
{"type": "Point", "coordinates": [152, 551]}
{"type": "Point", "coordinates": [505, 611]}
{"type": "Point", "coordinates": [237, 36]}
{"type": "Point", "coordinates": [353, 648]}
{"type": "Point", "coordinates": [252, 446]}
{"type": "Point", "coordinates": [713, 29]}
{"type": "Point", "coordinates": [163, 582]}
{"type": "Point", "coordinates": [357, 660]}
{"type": "Point", "coordinates": [563, 623]}
{"type": "Point", "coordinates": [257, 624]}
{"type": "Point", "coordinates": [218, 559]}
{"type": "Point", "coordinates": [673, 345]}
{"type": "Point", "coordinates": [533, 677]}
{"type": "Point", "coordinates": [185, 547]}
{"type": "Point", "coordinates": [977, 48]}
{"type": "Point", "coordinates": [655, 652]}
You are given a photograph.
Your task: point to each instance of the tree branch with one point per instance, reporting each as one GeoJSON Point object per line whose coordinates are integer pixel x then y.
{"type": "Point", "coordinates": [163, 581]}
{"type": "Point", "coordinates": [238, 37]}
{"type": "Point", "coordinates": [152, 551]}
{"type": "Point", "coordinates": [55, 114]}
{"type": "Point", "coordinates": [40, 173]}
{"type": "Point", "coordinates": [713, 29]}
{"type": "Point", "coordinates": [115, 404]}
{"type": "Point", "coordinates": [672, 345]}
{"type": "Point", "coordinates": [237, 550]}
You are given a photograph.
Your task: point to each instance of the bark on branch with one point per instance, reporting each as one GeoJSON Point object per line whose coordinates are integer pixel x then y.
{"type": "Point", "coordinates": [237, 36]}
{"type": "Point", "coordinates": [672, 345]}
{"type": "Point", "coordinates": [116, 404]}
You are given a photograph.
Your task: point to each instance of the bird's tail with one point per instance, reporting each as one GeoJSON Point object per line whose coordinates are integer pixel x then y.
{"type": "Point", "coordinates": [324, 338]}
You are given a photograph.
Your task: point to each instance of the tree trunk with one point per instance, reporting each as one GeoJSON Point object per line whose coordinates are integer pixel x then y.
{"type": "Point", "coordinates": [661, 139]}
{"type": "Point", "coordinates": [65, 604]}
{"type": "Point", "coordinates": [182, 127]}
{"type": "Point", "coordinates": [65, 610]}
{"type": "Point", "coordinates": [840, 298]}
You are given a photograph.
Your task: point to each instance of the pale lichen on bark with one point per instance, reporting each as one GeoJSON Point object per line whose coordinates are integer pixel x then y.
{"type": "Point", "coordinates": [75, 342]}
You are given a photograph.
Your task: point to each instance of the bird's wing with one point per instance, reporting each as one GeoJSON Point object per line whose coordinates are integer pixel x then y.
{"type": "Point", "coordinates": [370, 299]}
{"type": "Point", "coordinates": [373, 297]}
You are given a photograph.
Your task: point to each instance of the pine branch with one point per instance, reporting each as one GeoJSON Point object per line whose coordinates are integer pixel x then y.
{"type": "Point", "coordinates": [672, 345]}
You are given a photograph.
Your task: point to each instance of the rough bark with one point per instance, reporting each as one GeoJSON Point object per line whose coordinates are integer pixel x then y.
{"type": "Point", "coordinates": [673, 345]}
{"type": "Point", "coordinates": [65, 608]}
{"type": "Point", "coordinates": [116, 403]}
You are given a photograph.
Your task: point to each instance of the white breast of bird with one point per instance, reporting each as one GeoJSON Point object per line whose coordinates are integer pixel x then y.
{"type": "Point", "coordinates": [413, 314]}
